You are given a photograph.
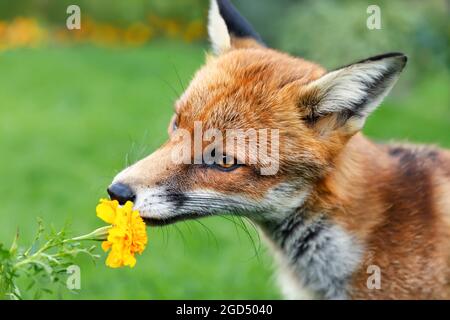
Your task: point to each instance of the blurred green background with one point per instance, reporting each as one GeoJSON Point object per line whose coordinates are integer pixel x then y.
{"type": "Point", "coordinates": [77, 106]}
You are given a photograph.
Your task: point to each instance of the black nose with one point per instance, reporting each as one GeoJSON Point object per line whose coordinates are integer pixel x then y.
{"type": "Point", "coordinates": [121, 192]}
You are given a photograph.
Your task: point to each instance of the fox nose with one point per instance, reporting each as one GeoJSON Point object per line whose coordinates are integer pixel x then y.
{"type": "Point", "coordinates": [121, 192]}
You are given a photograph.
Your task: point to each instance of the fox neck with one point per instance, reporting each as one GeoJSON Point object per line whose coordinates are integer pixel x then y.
{"type": "Point", "coordinates": [315, 253]}
{"type": "Point", "coordinates": [316, 246]}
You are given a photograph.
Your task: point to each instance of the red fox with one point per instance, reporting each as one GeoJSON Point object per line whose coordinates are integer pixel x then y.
{"type": "Point", "coordinates": [346, 218]}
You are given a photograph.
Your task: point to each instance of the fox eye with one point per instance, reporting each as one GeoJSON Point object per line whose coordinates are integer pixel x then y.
{"type": "Point", "coordinates": [227, 163]}
{"type": "Point", "coordinates": [173, 126]}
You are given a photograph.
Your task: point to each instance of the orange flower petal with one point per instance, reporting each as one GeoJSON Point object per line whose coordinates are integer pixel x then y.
{"type": "Point", "coordinates": [106, 210]}
{"type": "Point", "coordinates": [126, 237]}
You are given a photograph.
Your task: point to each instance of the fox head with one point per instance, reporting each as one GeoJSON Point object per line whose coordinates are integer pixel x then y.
{"type": "Point", "coordinates": [265, 98]}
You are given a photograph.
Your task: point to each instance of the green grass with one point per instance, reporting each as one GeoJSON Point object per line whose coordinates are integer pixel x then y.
{"type": "Point", "coordinates": [71, 118]}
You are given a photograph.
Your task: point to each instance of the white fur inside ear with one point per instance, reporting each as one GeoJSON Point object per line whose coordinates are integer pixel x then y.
{"type": "Point", "coordinates": [358, 88]}
{"type": "Point", "coordinates": [217, 30]}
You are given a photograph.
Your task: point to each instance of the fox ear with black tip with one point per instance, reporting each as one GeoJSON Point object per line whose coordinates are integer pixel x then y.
{"type": "Point", "coordinates": [225, 23]}
{"type": "Point", "coordinates": [344, 98]}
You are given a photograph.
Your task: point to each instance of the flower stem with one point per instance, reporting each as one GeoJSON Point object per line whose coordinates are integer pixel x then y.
{"type": "Point", "coordinates": [99, 234]}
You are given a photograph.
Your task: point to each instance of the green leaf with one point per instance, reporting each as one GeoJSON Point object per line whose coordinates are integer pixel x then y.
{"type": "Point", "coordinates": [14, 244]}
{"type": "Point", "coordinates": [4, 254]}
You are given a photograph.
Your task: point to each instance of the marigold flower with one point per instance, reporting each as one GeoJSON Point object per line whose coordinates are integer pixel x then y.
{"type": "Point", "coordinates": [127, 235]}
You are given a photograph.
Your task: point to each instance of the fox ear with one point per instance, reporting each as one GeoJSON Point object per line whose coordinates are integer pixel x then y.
{"type": "Point", "coordinates": [345, 97]}
{"type": "Point", "coordinates": [226, 23]}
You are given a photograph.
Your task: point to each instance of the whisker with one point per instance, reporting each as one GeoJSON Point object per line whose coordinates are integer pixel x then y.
{"type": "Point", "coordinates": [178, 76]}
{"type": "Point", "coordinates": [235, 227]}
{"type": "Point", "coordinates": [247, 232]}
{"type": "Point", "coordinates": [208, 232]}
{"type": "Point", "coordinates": [177, 94]}
{"type": "Point", "coordinates": [165, 236]}
{"type": "Point", "coordinates": [187, 226]}
{"type": "Point", "coordinates": [182, 236]}
{"type": "Point", "coordinates": [210, 206]}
